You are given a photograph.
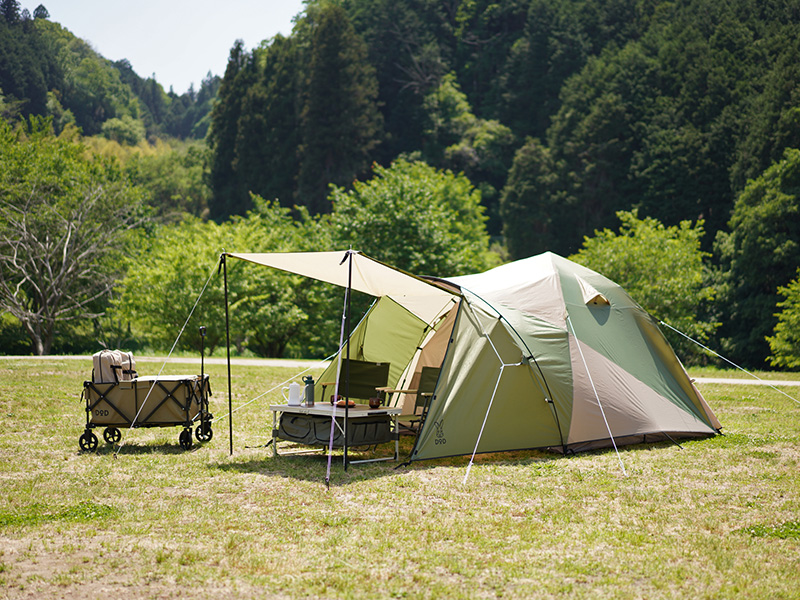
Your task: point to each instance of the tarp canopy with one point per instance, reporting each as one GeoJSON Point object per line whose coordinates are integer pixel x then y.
{"type": "Point", "coordinates": [424, 299]}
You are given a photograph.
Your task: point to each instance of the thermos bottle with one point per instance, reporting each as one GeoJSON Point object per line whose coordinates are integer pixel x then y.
{"type": "Point", "coordinates": [309, 393]}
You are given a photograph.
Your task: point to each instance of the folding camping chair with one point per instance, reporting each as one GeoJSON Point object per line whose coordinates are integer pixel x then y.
{"type": "Point", "coordinates": [365, 378]}
{"type": "Point", "coordinates": [424, 392]}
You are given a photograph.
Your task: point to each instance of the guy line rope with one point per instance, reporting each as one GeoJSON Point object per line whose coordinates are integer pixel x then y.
{"type": "Point", "coordinates": [753, 375]}
{"type": "Point", "coordinates": [180, 333]}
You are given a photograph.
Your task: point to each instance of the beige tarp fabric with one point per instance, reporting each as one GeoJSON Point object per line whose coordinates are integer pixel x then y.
{"type": "Point", "coordinates": [369, 276]}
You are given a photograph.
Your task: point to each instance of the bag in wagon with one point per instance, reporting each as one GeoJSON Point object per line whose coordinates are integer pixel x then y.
{"type": "Point", "coordinates": [113, 366]}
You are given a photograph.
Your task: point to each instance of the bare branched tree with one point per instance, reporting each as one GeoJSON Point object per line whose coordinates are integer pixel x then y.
{"type": "Point", "coordinates": [63, 221]}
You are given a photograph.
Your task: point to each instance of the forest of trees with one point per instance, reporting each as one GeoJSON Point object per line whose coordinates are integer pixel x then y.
{"type": "Point", "coordinates": [565, 120]}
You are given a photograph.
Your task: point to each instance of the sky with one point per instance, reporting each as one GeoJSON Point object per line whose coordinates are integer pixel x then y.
{"type": "Point", "coordinates": [179, 41]}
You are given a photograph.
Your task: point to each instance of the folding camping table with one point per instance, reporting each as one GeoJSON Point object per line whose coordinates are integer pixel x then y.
{"type": "Point", "coordinates": [310, 425]}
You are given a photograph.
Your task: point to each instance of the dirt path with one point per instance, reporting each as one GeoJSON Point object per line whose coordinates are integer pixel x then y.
{"type": "Point", "coordinates": [726, 381]}
{"type": "Point", "coordinates": [304, 364]}
{"type": "Point", "coordinates": [257, 362]}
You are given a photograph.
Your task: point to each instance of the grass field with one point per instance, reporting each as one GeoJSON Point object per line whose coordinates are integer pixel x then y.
{"type": "Point", "coordinates": [719, 518]}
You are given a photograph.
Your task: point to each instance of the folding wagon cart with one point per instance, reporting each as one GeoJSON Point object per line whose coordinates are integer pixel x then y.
{"type": "Point", "coordinates": [152, 401]}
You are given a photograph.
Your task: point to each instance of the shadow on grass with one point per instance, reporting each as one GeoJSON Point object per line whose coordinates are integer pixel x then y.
{"type": "Point", "coordinates": [310, 464]}
{"type": "Point", "coordinates": [134, 448]}
{"type": "Point", "coordinates": [306, 463]}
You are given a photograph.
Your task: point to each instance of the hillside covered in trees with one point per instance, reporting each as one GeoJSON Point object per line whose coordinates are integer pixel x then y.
{"type": "Point", "coordinates": [46, 70]}
{"type": "Point", "coordinates": [556, 114]}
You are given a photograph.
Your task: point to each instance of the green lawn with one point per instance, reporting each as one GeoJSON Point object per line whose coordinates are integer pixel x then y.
{"type": "Point", "coordinates": [718, 519]}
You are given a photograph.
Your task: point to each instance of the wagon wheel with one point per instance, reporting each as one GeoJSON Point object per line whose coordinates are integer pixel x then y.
{"type": "Point", "coordinates": [204, 433]}
{"type": "Point", "coordinates": [88, 441]}
{"type": "Point", "coordinates": [112, 435]}
{"type": "Point", "coordinates": [185, 439]}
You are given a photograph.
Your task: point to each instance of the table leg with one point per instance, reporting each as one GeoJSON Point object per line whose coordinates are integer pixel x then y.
{"type": "Point", "coordinates": [396, 439]}
{"type": "Point", "coordinates": [274, 436]}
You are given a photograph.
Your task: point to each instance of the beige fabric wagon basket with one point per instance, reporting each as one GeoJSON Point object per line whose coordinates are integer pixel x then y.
{"type": "Point", "coordinates": [158, 401]}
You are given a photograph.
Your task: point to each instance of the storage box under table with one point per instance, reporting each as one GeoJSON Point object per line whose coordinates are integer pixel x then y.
{"type": "Point", "coordinates": [311, 426]}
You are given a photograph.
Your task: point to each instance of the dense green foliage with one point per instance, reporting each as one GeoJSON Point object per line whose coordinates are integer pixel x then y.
{"type": "Point", "coordinates": [340, 122]}
{"type": "Point", "coordinates": [760, 254]}
{"type": "Point", "coordinates": [442, 235]}
{"type": "Point", "coordinates": [230, 188]}
{"type": "Point", "coordinates": [168, 114]}
{"type": "Point", "coordinates": [785, 343]}
{"type": "Point", "coordinates": [91, 91]}
{"type": "Point", "coordinates": [172, 173]}
{"type": "Point", "coordinates": [662, 268]}
{"type": "Point", "coordinates": [664, 122]}
{"type": "Point", "coordinates": [46, 70]}
{"type": "Point", "coordinates": [26, 66]}
{"type": "Point", "coordinates": [613, 105]}
{"type": "Point", "coordinates": [270, 119]}
{"type": "Point", "coordinates": [286, 133]}
{"type": "Point", "coordinates": [455, 138]}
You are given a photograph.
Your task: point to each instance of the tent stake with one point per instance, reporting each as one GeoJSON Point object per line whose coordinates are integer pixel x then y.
{"type": "Point", "coordinates": [345, 325]}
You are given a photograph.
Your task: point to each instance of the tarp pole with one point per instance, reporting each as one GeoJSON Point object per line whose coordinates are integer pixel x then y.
{"type": "Point", "coordinates": [335, 397]}
{"type": "Point", "coordinates": [338, 373]}
{"type": "Point", "coordinates": [228, 349]}
{"type": "Point", "coordinates": [347, 364]}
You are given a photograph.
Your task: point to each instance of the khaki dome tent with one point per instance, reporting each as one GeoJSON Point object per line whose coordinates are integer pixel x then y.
{"type": "Point", "coordinates": [547, 353]}
{"type": "Point", "coordinates": [538, 353]}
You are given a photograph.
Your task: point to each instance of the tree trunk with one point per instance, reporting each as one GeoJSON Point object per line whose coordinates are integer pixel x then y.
{"type": "Point", "coordinates": [38, 345]}
{"type": "Point", "coordinates": [41, 338]}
